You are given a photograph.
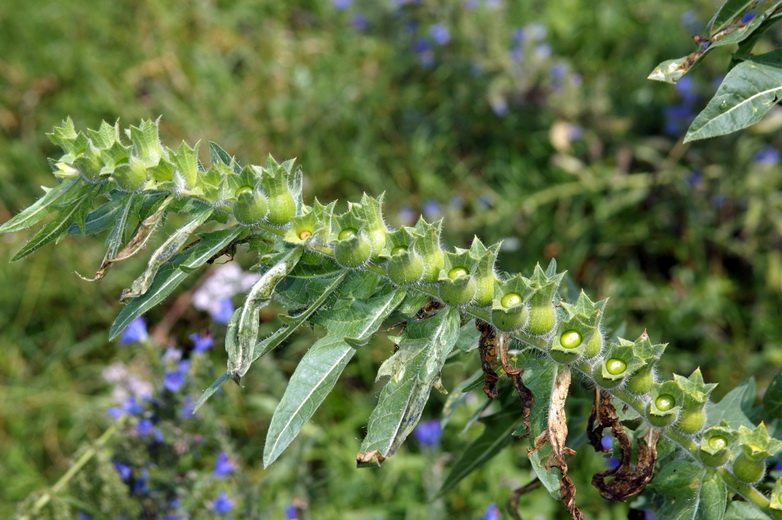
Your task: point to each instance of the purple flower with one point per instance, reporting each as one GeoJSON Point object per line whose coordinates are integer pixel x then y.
{"type": "Point", "coordinates": [518, 35]}
{"type": "Point", "coordinates": [123, 470]}
{"type": "Point", "coordinates": [201, 343]}
{"type": "Point", "coordinates": [222, 504]}
{"type": "Point", "coordinates": [135, 332]}
{"type": "Point", "coordinates": [223, 465]}
{"type": "Point", "coordinates": [766, 156]}
{"type": "Point", "coordinates": [173, 380]}
{"type": "Point", "coordinates": [538, 31]}
{"type": "Point", "coordinates": [144, 427]}
{"type": "Point", "coordinates": [492, 512]}
{"type": "Point", "coordinates": [173, 517]}
{"type": "Point", "coordinates": [543, 51]}
{"type": "Point", "coordinates": [131, 406]}
{"type": "Point", "coordinates": [607, 442]}
{"type": "Point", "coordinates": [431, 209]}
{"type": "Point", "coordinates": [291, 513]}
{"type": "Point", "coordinates": [694, 178]}
{"type": "Point", "coordinates": [140, 485]}
{"type": "Point", "coordinates": [517, 54]}
{"type": "Point", "coordinates": [359, 22]}
{"type": "Point", "coordinates": [499, 106]}
{"type": "Point", "coordinates": [749, 15]}
{"type": "Point", "coordinates": [188, 408]}
{"type": "Point", "coordinates": [613, 462]}
{"type": "Point", "coordinates": [342, 4]}
{"type": "Point", "coordinates": [428, 434]}
{"type": "Point", "coordinates": [439, 33]}
{"type": "Point", "coordinates": [82, 516]}
{"type": "Point", "coordinates": [222, 312]}
{"type": "Point", "coordinates": [406, 216]}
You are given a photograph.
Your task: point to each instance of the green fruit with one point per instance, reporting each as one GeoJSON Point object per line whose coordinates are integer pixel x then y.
{"type": "Point", "coordinates": [594, 345]}
{"type": "Point", "coordinates": [714, 460]}
{"type": "Point", "coordinates": [250, 206]}
{"type": "Point", "coordinates": [542, 320]}
{"type": "Point", "coordinates": [484, 293]}
{"type": "Point", "coordinates": [615, 366]}
{"type": "Point", "coordinates": [347, 233]}
{"type": "Point", "coordinates": [511, 300]}
{"type": "Point", "coordinates": [398, 250]}
{"type": "Point", "coordinates": [665, 402]}
{"type": "Point", "coordinates": [641, 381]}
{"type": "Point", "coordinates": [510, 320]}
{"type": "Point", "coordinates": [691, 421]}
{"type": "Point", "coordinates": [282, 208]}
{"type": "Point", "coordinates": [570, 339]}
{"type": "Point", "coordinates": [434, 262]}
{"type": "Point", "coordinates": [748, 470]}
{"type": "Point", "coordinates": [353, 250]}
{"type": "Point", "coordinates": [718, 443]}
{"type": "Point", "coordinates": [604, 381]}
{"type": "Point", "coordinates": [460, 290]}
{"type": "Point", "coordinates": [130, 177]}
{"type": "Point", "coordinates": [405, 267]}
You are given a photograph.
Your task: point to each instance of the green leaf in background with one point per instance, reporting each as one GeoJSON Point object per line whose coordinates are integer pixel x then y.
{"type": "Point", "coordinates": [58, 227]}
{"type": "Point", "coordinates": [745, 96]}
{"type": "Point", "coordinates": [728, 14]}
{"type": "Point", "coordinates": [174, 273]}
{"type": "Point", "coordinates": [319, 369]}
{"type": "Point", "coordinates": [691, 492]}
{"type": "Point", "coordinates": [40, 209]}
{"type": "Point", "coordinates": [413, 369]}
{"type": "Point", "coordinates": [772, 399]}
{"type": "Point", "coordinates": [735, 408]}
{"type": "Point", "coordinates": [495, 436]}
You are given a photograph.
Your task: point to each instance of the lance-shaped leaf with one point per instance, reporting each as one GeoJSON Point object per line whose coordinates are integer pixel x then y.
{"type": "Point", "coordinates": [217, 154]}
{"type": "Point", "coordinates": [321, 366]}
{"type": "Point", "coordinates": [413, 369]}
{"type": "Point", "coordinates": [745, 96]}
{"type": "Point", "coordinates": [495, 436]}
{"type": "Point", "coordinates": [241, 357]}
{"type": "Point", "coordinates": [42, 207]}
{"type": "Point", "coordinates": [57, 228]}
{"type": "Point", "coordinates": [690, 492]}
{"type": "Point", "coordinates": [163, 255]}
{"type": "Point", "coordinates": [293, 323]}
{"type": "Point", "coordinates": [174, 273]}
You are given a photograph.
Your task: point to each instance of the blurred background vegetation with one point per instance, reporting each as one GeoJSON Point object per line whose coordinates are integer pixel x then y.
{"type": "Point", "coordinates": [530, 122]}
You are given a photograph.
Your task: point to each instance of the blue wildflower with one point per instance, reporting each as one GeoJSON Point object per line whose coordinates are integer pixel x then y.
{"type": "Point", "coordinates": [428, 434]}
{"type": "Point", "coordinates": [82, 516]}
{"type": "Point", "coordinates": [188, 408]}
{"type": "Point", "coordinates": [719, 200]}
{"type": "Point", "coordinates": [749, 15]}
{"type": "Point", "coordinates": [123, 470]}
{"type": "Point", "coordinates": [130, 406]}
{"type": "Point", "coordinates": [543, 51]}
{"type": "Point", "coordinates": [431, 209]}
{"type": "Point", "coordinates": [538, 31]}
{"type": "Point", "coordinates": [135, 332]}
{"type": "Point", "coordinates": [173, 380]}
{"type": "Point", "coordinates": [406, 216]}
{"type": "Point", "coordinates": [145, 427]}
{"type": "Point", "coordinates": [359, 22]}
{"type": "Point", "coordinates": [423, 48]}
{"type": "Point", "coordinates": [174, 517]}
{"type": "Point", "coordinates": [439, 33]}
{"type": "Point", "coordinates": [291, 513]}
{"type": "Point", "coordinates": [517, 54]}
{"type": "Point", "coordinates": [518, 35]}
{"type": "Point", "coordinates": [499, 106]}
{"type": "Point", "coordinates": [201, 343]}
{"type": "Point", "coordinates": [492, 512]}
{"type": "Point", "coordinates": [222, 504]}
{"type": "Point", "coordinates": [223, 465]}
{"type": "Point", "coordinates": [694, 178]}
{"type": "Point", "coordinates": [607, 442]}
{"type": "Point", "coordinates": [766, 156]}
{"type": "Point", "coordinates": [342, 4]}
{"type": "Point", "coordinates": [140, 485]}
{"type": "Point", "coordinates": [222, 312]}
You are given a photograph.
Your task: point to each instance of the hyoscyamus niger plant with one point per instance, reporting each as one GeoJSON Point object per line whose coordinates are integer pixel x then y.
{"type": "Point", "coordinates": [349, 274]}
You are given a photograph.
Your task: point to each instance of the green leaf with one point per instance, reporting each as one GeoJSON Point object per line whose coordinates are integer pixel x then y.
{"type": "Point", "coordinates": [174, 273]}
{"type": "Point", "coordinates": [744, 511]}
{"type": "Point", "coordinates": [209, 392]}
{"type": "Point", "coordinates": [40, 208]}
{"type": "Point", "coordinates": [735, 407]}
{"type": "Point", "coordinates": [116, 238]}
{"type": "Point", "coordinates": [539, 376]}
{"type": "Point", "coordinates": [217, 154]}
{"type": "Point", "coordinates": [312, 381]}
{"type": "Point", "coordinates": [690, 492]}
{"type": "Point", "coordinates": [459, 393]}
{"type": "Point", "coordinates": [57, 227]}
{"type": "Point", "coordinates": [468, 337]}
{"type": "Point", "coordinates": [495, 436]}
{"type": "Point", "coordinates": [413, 369]}
{"type": "Point", "coordinates": [772, 399]}
{"type": "Point", "coordinates": [293, 323]}
{"type": "Point", "coordinates": [745, 96]}
{"type": "Point", "coordinates": [321, 366]}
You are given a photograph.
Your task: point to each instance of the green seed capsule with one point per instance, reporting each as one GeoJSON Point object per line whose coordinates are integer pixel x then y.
{"type": "Point", "coordinates": [542, 320]}
{"type": "Point", "coordinates": [405, 268]}
{"type": "Point", "coordinates": [718, 443]}
{"type": "Point", "coordinates": [691, 421]}
{"type": "Point", "coordinates": [748, 470]}
{"type": "Point", "coordinates": [665, 402]}
{"type": "Point", "coordinates": [570, 339]}
{"type": "Point", "coordinates": [250, 206]}
{"type": "Point", "coordinates": [347, 233]}
{"type": "Point", "coordinates": [509, 321]}
{"type": "Point", "coordinates": [458, 291]}
{"type": "Point", "coordinates": [398, 250]}
{"type": "Point", "coordinates": [282, 208]}
{"type": "Point", "coordinates": [457, 272]}
{"type": "Point", "coordinates": [352, 251]}
{"type": "Point", "coordinates": [510, 300]}
{"type": "Point", "coordinates": [615, 366]}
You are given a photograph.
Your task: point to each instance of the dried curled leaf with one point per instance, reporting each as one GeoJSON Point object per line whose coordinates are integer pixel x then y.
{"type": "Point", "coordinates": [556, 435]}
{"type": "Point", "coordinates": [487, 346]}
{"type": "Point", "coordinates": [627, 479]}
{"type": "Point", "coordinates": [515, 374]}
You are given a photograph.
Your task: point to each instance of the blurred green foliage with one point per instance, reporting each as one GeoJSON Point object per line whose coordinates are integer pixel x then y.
{"type": "Point", "coordinates": [551, 139]}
